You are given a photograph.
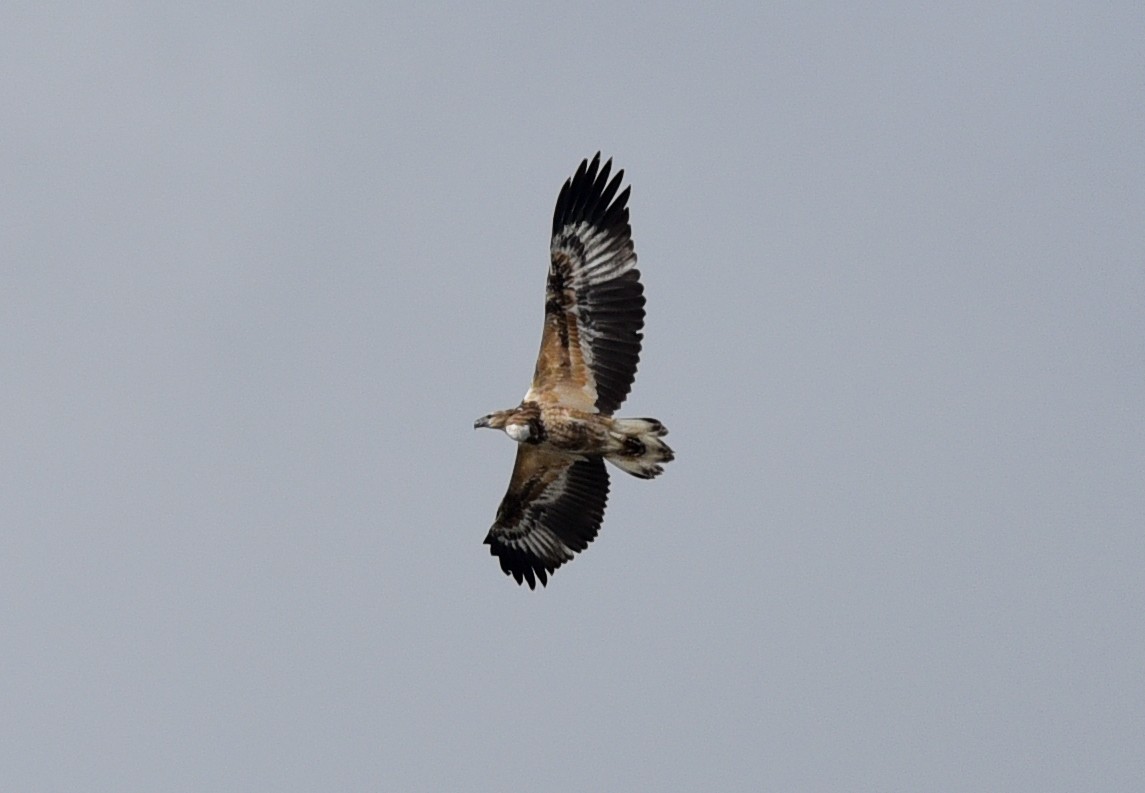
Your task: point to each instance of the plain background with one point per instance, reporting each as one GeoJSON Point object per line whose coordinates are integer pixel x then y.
{"type": "Point", "coordinates": [261, 266]}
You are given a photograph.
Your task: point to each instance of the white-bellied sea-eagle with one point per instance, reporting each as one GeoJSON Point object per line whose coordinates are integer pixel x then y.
{"type": "Point", "coordinates": [564, 428]}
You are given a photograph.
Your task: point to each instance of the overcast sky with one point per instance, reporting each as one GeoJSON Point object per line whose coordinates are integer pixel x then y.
{"type": "Point", "coordinates": [261, 267]}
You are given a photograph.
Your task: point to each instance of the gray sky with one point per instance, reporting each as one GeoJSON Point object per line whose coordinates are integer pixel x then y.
{"type": "Point", "coordinates": [261, 269]}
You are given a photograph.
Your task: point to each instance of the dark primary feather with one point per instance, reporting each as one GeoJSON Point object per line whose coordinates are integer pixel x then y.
{"type": "Point", "coordinates": [552, 510]}
{"type": "Point", "coordinates": [593, 254]}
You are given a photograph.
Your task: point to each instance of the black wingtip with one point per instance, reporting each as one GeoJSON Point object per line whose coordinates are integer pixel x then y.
{"type": "Point", "coordinates": [522, 568]}
{"type": "Point", "coordinates": [588, 195]}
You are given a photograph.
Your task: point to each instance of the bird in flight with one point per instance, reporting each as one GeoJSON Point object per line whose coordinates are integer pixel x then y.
{"type": "Point", "coordinates": [590, 346]}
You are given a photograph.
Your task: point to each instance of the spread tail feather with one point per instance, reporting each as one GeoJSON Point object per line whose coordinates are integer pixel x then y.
{"type": "Point", "coordinates": [640, 451]}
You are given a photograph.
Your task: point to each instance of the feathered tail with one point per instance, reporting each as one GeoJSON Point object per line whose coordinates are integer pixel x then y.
{"type": "Point", "coordinates": [640, 451]}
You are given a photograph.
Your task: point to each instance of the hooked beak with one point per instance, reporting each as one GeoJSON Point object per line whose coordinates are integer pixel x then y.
{"type": "Point", "coordinates": [481, 422]}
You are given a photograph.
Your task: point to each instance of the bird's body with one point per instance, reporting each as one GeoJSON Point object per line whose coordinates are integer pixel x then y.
{"type": "Point", "coordinates": [557, 429]}
{"type": "Point", "coordinates": [594, 314]}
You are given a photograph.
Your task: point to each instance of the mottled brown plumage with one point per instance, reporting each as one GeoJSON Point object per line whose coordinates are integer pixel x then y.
{"type": "Point", "coordinates": [590, 347]}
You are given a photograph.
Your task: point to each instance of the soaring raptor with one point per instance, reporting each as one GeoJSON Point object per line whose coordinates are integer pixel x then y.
{"type": "Point", "coordinates": [564, 428]}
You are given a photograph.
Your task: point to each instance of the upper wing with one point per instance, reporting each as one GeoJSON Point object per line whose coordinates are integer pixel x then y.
{"type": "Point", "coordinates": [594, 302]}
{"type": "Point", "coordinates": [552, 510]}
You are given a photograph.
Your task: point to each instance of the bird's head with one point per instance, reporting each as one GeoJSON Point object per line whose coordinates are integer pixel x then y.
{"type": "Point", "coordinates": [494, 421]}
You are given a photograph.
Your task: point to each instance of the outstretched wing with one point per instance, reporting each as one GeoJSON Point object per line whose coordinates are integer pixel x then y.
{"type": "Point", "coordinates": [594, 302]}
{"type": "Point", "coordinates": [552, 510]}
